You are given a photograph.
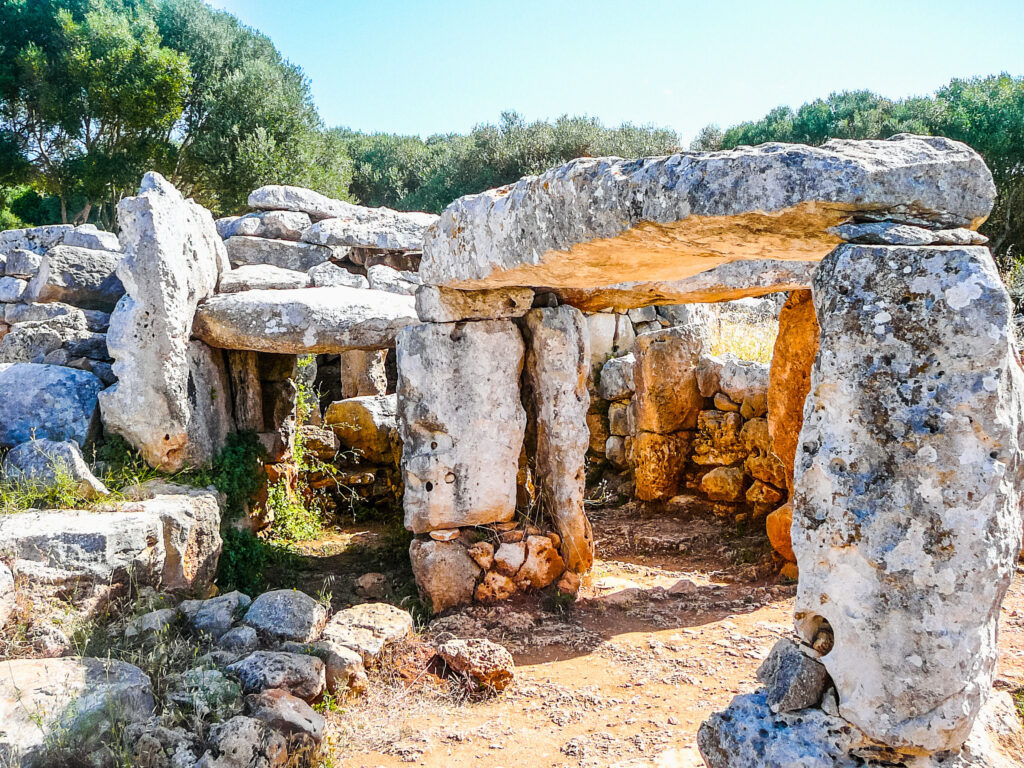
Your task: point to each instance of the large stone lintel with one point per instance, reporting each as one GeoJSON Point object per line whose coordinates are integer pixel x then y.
{"type": "Point", "coordinates": [591, 221]}
{"type": "Point", "coordinates": [304, 321]}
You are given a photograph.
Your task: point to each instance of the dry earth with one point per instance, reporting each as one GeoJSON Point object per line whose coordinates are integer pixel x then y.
{"type": "Point", "coordinates": [672, 623]}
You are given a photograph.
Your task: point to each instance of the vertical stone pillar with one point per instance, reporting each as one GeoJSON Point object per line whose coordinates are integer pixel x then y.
{"type": "Point", "coordinates": [557, 368]}
{"type": "Point", "coordinates": [363, 373]}
{"type": "Point", "coordinates": [246, 390]}
{"type": "Point", "coordinates": [461, 422]}
{"type": "Point", "coordinates": [279, 404]}
{"type": "Point", "coordinates": [907, 491]}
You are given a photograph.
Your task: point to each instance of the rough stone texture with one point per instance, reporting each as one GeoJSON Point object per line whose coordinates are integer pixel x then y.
{"type": "Point", "coordinates": [363, 227]}
{"type": "Point", "coordinates": [12, 289]}
{"type": "Point", "coordinates": [445, 573]}
{"type": "Point", "coordinates": [304, 321]}
{"type": "Point", "coordinates": [719, 440]}
{"type": "Point", "coordinates": [557, 367]}
{"type": "Point", "coordinates": [725, 282]}
{"type": "Point", "coordinates": [723, 484]}
{"type": "Point", "coordinates": [611, 335]}
{"type": "Point", "coordinates": [383, 278]}
{"type": "Point", "coordinates": [81, 699]}
{"type": "Point", "coordinates": [7, 594]}
{"type": "Point", "coordinates": [28, 313]}
{"type": "Point", "coordinates": [208, 398]}
{"type": "Point", "coordinates": [46, 401]}
{"type": "Point", "coordinates": [286, 714]}
{"type": "Point", "coordinates": [742, 380]}
{"type": "Point", "coordinates": [778, 525]}
{"type": "Point", "coordinates": [153, 626]}
{"type": "Point", "coordinates": [329, 275]}
{"type": "Point", "coordinates": [789, 378]}
{"type": "Point", "coordinates": [284, 254]}
{"type": "Point", "coordinates": [616, 380]}
{"type": "Point", "coordinates": [486, 665]}
{"type": "Point", "coordinates": [667, 399]}
{"type": "Point", "coordinates": [296, 673]}
{"type": "Point", "coordinates": [23, 264]}
{"type": "Point", "coordinates": [587, 223]}
{"type": "Point", "coordinates": [173, 259]}
{"type": "Point", "coordinates": [40, 341]}
{"type": "Point", "coordinates": [287, 614]}
{"type": "Point", "coordinates": [45, 462]}
{"type": "Point", "coordinates": [542, 565]}
{"type": "Point", "coordinates": [443, 305]}
{"type": "Point", "coordinates": [240, 640]}
{"type": "Point", "coordinates": [367, 425]}
{"type": "Point", "coordinates": [278, 225]}
{"type": "Point", "coordinates": [344, 667]}
{"type": "Point", "coordinates": [244, 742]}
{"type": "Point", "coordinates": [278, 197]}
{"type": "Point", "coordinates": [363, 373]}
{"type": "Point", "coordinates": [461, 422]}
{"type": "Point", "coordinates": [368, 629]}
{"type": "Point", "coordinates": [897, 233]}
{"type": "Point", "coordinates": [79, 276]}
{"type": "Point", "coordinates": [216, 615]}
{"type": "Point", "coordinates": [88, 236]}
{"type": "Point", "coordinates": [261, 277]}
{"type": "Point", "coordinates": [658, 462]}
{"type": "Point", "coordinates": [35, 239]}
{"type": "Point", "coordinates": [792, 679]}
{"type": "Point", "coordinates": [906, 521]}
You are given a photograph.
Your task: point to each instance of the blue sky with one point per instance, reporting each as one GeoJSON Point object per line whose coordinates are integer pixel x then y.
{"type": "Point", "coordinates": [434, 67]}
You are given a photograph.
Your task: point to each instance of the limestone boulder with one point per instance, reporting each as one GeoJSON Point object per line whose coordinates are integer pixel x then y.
{"type": "Point", "coordinates": [41, 341]}
{"type": "Point", "coordinates": [35, 239]}
{"type": "Point", "coordinates": [542, 565]}
{"type": "Point", "coordinates": [279, 197]}
{"type": "Point", "coordinates": [22, 264]}
{"type": "Point", "coordinates": [13, 289]}
{"type": "Point", "coordinates": [47, 402]}
{"type": "Point", "coordinates": [276, 225]}
{"type": "Point", "coordinates": [95, 320]}
{"type": "Point", "coordinates": [899, 233]}
{"type": "Point", "coordinates": [743, 380]}
{"type": "Point", "coordinates": [445, 573]}
{"type": "Point", "coordinates": [47, 463]}
{"type": "Point", "coordinates": [906, 501]}
{"type": "Point", "coordinates": [173, 260]}
{"type": "Point", "coordinates": [215, 616]}
{"type": "Point", "coordinates": [724, 484]}
{"type": "Point", "coordinates": [368, 426]}
{"type": "Point", "coordinates": [8, 595]}
{"type": "Point", "coordinates": [461, 422]}
{"type": "Point", "coordinates": [367, 629]}
{"type": "Point", "coordinates": [284, 254]}
{"type": "Point", "coordinates": [295, 673]}
{"type": "Point", "coordinates": [383, 278]}
{"type": "Point", "coordinates": [261, 277]}
{"type": "Point", "coordinates": [305, 321]}
{"type": "Point", "coordinates": [81, 276]}
{"type": "Point", "coordinates": [442, 305]}
{"type": "Point", "coordinates": [778, 525]}
{"type": "Point", "coordinates": [793, 680]}
{"type": "Point", "coordinates": [588, 222]}
{"type": "Point", "coordinates": [486, 665]}
{"type": "Point", "coordinates": [557, 368]}
{"type": "Point", "coordinates": [789, 379]}
{"type": "Point", "coordinates": [363, 372]}
{"type": "Point", "coordinates": [88, 236]}
{"type": "Point", "coordinates": [658, 462]}
{"type": "Point", "coordinates": [611, 335]}
{"type": "Point", "coordinates": [328, 275]}
{"type": "Point", "coordinates": [287, 614]}
{"type": "Point", "coordinates": [244, 742]}
{"type": "Point", "coordinates": [383, 228]}
{"type": "Point", "coordinates": [83, 700]}
{"type": "Point", "coordinates": [616, 380]}
{"type": "Point", "coordinates": [667, 399]}
{"type": "Point", "coordinates": [719, 439]}
{"type": "Point", "coordinates": [286, 714]}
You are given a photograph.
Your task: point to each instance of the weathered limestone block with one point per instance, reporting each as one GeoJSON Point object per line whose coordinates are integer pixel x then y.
{"type": "Point", "coordinates": [557, 367]}
{"type": "Point", "coordinates": [368, 426]}
{"type": "Point", "coordinates": [743, 380]}
{"type": "Point", "coordinates": [384, 278]}
{"type": "Point", "coordinates": [897, 233]}
{"type": "Point", "coordinates": [616, 379]}
{"type": "Point", "coordinates": [358, 226]}
{"type": "Point", "coordinates": [261, 277]}
{"type": "Point", "coordinates": [22, 264]}
{"type": "Point", "coordinates": [208, 395]}
{"type": "Point", "coordinates": [667, 399]}
{"type": "Point", "coordinates": [724, 484]}
{"type": "Point", "coordinates": [363, 372]}
{"type": "Point", "coordinates": [726, 282]}
{"type": "Point", "coordinates": [173, 260]}
{"type": "Point", "coordinates": [610, 335]}
{"type": "Point", "coordinates": [443, 305]}
{"type": "Point", "coordinates": [658, 462]}
{"type": "Point", "coordinates": [304, 321]}
{"type": "Point", "coordinates": [907, 493]}
{"type": "Point", "coordinates": [79, 703]}
{"type": "Point", "coordinates": [80, 276]}
{"type": "Point", "coordinates": [279, 197]}
{"type": "Point", "coordinates": [32, 342]}
{"type": "Point", "coordinates": [284, 254]}
{"type": "Point", "coordinates": [789, 379]}
{"type": "Point", "coordinates": [329, 274]}
{"type": "Point", "coordinates": [278, 225]}
{"type": "Point", "coordinates": [461, 422]}
{"type": "Point", "coordinates": [35, 239]}
{"type": "Point", "coordinates": [287, 614]}
{"type": "Point", "coordinates": [13, 289]}
{"type": "Point", "coordinates": [779, 524]}
{"type": "Point", "coordinates": [593, 220]}
{"type": "Point", "coordinates": [445, 573]}
{"type": "Point", "coordinates": [46, 401]}
{"type": "Point", "coordinates": [719, 440]}
{"type": "Point", "coordinates": [246, 390]}
{"type": "Point", "coordinates": [44, 462]}
{"type": "Point", "coordinates": [761, 463]}
{"type": "Point", "coordinates": [30, 313]}
{"type": "Point", "coordinates": [88, 236]}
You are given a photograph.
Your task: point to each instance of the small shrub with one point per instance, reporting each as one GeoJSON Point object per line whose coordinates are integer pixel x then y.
{"type": "Point", "coordinates": [238, 473]}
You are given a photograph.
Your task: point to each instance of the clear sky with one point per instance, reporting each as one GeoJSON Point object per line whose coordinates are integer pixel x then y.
{"type": "Point", "coordinates": [423, 67]}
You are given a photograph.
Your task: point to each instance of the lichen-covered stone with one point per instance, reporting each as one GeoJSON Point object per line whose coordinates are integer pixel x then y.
{"type": "Point", "coordinates": [443, 305]}
{"type": "Point", "coordinates": [616, 378]}
{"type": "Point", "coordinates": [485, 664]}
{"type": "Point", "coordinates": [46, 401]}
{"type": "Point", "coordinates": [81, 276]}
{"type": "Point", "coordinates": [667, 399]}
{"type": "Point", "coordinates": [367, 426]}
{"type": "Point", "coordinates": [593, 220]}
{"type": "Point", "coordinates": [461, 422]}
{"type": "Point", "coordinates": [907, 494]}
{"type": "Point", "coordinates": [261, 277]}
{"type": "Point", "coordinates": [658, 462]}
{"type": "Point", "coordinates": [358, 226]}
{"type": "Point", "coordinates": [284, 254]}
{"type": "Point", "coordinates": [287, 614]}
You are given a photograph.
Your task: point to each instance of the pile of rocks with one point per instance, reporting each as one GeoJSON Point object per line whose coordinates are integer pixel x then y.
{"type": "Point", "coordinates": [256, 668]}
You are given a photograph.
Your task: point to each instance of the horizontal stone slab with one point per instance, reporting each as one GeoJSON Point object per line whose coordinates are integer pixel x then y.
{"type": "Point", "coordinates": [284, 254]}
{"type": "Point", "coordinates": [726, 282]}
{"type": "Point", "coordinates": [592, 222]}
{"type": "Point", "coordinates": [305, 320]}
{"type": "Point", "coordinates": [372, 228]}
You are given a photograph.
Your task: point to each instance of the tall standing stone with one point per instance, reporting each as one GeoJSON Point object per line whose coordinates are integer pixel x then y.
{"type": "Point", "coordinates": [908, 486]}
{"type": "Point", "coordinates": [461, 422]}
{"type": "Point", "coordinates": [557, 366]}
{"type": "Point", "coordinates": [173, 258]}
{"type": "Point", "coordinates": [363, 372]}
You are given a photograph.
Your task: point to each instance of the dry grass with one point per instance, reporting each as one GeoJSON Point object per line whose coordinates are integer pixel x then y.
{"type": "Point", "coordinates": [753, 340]}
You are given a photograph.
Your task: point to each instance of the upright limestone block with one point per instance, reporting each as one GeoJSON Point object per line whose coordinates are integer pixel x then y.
{"type": "Point", "coordinates": [363, 373]}
{"type": "Point", "coordinates": [461, 422]}
{"type": "Point", "coordinates": [906, 521]}
{"type": "Point", "coordinates": [557, 366]}
{"type": "Point", "coordinates": [665, 375]}
{"type": "Point", "coordinates": [173, 259]}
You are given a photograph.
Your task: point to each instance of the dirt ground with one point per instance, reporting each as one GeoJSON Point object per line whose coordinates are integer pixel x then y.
{"type": "Point", "coordinates": [675, 618]}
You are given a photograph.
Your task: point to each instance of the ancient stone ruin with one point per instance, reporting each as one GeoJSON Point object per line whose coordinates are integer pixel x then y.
{"type": "Point", "coordinates": [474, 359]}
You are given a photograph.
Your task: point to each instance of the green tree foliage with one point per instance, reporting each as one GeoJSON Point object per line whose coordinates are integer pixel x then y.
{"type": "Point", "coordinates": [95, 92]}
{"type": "Point", "coordinates": [410, 173]}
{"type": "Point", "coordinates": [986, 113]}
